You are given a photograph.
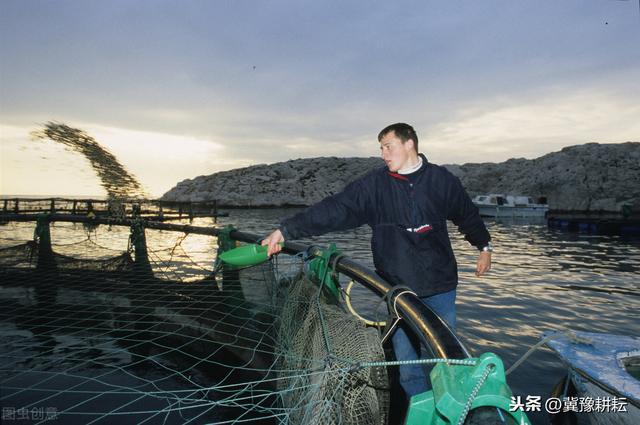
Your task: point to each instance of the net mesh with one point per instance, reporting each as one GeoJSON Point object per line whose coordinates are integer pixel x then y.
{"type": "Point", "coordinates": [317, 335]}
{"type": "Point", "coordinates": [87, 336]}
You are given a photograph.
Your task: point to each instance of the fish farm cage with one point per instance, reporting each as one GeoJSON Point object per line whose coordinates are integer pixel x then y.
{"type": "Point", "coordinates": [150, 209]}
{"type": "Point", "coordinates": [114, 320]}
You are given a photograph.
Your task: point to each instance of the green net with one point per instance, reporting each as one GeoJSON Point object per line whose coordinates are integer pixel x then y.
{"type": "Point", "coordinates": [88, 337]}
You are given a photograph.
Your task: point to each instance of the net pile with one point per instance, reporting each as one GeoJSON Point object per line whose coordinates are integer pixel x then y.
{"type": "Point", "coordinates": [87, 336]}
{"type": "Point", "coordinates": [318, 336]}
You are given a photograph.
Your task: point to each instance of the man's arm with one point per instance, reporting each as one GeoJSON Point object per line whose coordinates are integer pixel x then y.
{"type": "Point", "coordinates": [341, 211]}
{"type": "Point", "coordinates": [465, 215]}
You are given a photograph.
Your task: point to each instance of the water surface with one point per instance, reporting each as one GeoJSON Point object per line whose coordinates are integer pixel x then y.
{"type": "Point", "coordinates": [541, 280]}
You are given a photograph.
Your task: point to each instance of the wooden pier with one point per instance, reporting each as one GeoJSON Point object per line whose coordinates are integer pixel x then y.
{"type": "Point", "coordinates": [150, 209]}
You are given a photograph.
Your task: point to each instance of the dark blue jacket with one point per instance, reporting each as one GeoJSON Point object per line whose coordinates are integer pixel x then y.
{"type": "Point", "coordinates": [408, 217]}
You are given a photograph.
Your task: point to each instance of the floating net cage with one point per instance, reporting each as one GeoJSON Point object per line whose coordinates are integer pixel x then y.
{"type": "Point", "coordinates": [113, 207]}
{"type": "Point", "coordinates": [118, 323]}
{"type": "Point", "coordinates": [90, 335]}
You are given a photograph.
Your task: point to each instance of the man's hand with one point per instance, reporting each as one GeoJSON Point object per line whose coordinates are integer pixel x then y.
{"type": "Point", "coordinates": [484, 263]}
{"type": "Point", "coordinates": [272, 241]}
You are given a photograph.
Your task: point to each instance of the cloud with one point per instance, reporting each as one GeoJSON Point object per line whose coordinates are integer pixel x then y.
{"type": "Point", "coordinates": [530, 128]}
{"type": "Point", "coordinates": [224, 84]}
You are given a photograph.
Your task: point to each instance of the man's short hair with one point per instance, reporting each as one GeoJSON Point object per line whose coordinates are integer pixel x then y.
{"type": "Point", "coordinates": [403, 131]}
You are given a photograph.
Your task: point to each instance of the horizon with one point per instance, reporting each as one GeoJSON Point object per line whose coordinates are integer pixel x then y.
{"type": "Point", "coordinates": [178, 90]}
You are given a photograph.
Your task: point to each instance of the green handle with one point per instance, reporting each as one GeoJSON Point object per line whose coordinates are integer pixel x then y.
{"type": "Point", "coordinates": [246, 255]}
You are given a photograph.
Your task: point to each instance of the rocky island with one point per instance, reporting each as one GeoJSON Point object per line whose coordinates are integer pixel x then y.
{"type": "Point", "coordinates": [590, 177]}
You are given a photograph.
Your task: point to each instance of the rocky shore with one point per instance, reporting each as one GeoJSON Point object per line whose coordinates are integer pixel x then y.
{"type": "Point", "coordinates": [589, 177]}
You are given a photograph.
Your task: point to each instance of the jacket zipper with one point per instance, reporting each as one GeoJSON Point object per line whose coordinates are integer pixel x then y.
{"type": "Point", "coordinates": [414, 210]}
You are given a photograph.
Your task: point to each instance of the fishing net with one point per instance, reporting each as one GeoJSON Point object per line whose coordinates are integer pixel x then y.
{"type": "Point", "coordinates": [317, 335]}
{"type": "Point", "coordinates": [88, 335]}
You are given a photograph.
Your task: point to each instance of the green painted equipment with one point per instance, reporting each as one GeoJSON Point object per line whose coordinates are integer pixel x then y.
{"type": "Point", "coordinates": [246, 255]}
{"type": "Point", "coordinates": [459, 389]}
{"type": "Point", "coordinates": [225, 242]}
{"type": "Point", "coordinates": [319, 268]}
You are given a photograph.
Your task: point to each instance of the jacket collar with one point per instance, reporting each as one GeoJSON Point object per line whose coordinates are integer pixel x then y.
{"type": "Point", "coordinates": [405, 177]}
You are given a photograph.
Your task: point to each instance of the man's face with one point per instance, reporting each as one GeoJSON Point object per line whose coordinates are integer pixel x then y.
{"type": "Point", "coordinates": [396, 155]}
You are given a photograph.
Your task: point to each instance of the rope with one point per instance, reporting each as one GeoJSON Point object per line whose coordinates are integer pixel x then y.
{"type": "Point", "coordinates": [325, 331]}
{"type": "Point", "coordinates": [463, 362]}
{"type": "Point", "coordinates": [347, 299]}
{"type": "Point", "coordinates": [389, 331]}
{"type": "Point", "coordinates": [549, 337]}
{"type": "Point", "coordinates": [334, 271]}
{"type": "Point", "coordinates": [394, 308]}
{"type": "Point", "coordinates": [395, 300]}
{"type": "Point", "coordinates": [381, 323]}
{"type": "Point", "coordinates": [474, 393]}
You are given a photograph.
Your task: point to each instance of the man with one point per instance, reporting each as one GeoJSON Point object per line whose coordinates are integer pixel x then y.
{"type": "Point", "coordinates": [407, 204]}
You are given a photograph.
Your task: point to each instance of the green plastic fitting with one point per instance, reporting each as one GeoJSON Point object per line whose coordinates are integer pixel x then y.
{"type": "Point", "coordinates": [453, 387]}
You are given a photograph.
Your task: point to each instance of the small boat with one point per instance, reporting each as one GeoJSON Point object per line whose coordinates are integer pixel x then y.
{"type": "Point", "coordinates": [496, 205]}
{"type": "Point", "coordinates": [603, 383]}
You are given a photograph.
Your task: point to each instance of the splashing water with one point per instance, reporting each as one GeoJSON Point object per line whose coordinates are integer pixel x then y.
{"type": "Point", "coordinates": [114, 178]}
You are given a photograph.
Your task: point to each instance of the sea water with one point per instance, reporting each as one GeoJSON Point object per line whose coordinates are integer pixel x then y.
{"type": "Point", "coordinates": [541, 280]}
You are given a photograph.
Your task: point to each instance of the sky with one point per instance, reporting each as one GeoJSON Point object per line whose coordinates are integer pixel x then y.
{"type": "Point", "coordinates": [178, 89]}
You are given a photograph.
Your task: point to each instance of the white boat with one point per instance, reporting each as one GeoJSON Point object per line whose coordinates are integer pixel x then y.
{"type": "Point", "coordinates": [603, 379]}
{"type": "Point", "coordinates": [496, 205]}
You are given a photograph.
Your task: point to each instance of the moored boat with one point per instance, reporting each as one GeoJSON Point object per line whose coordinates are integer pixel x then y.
{"type": "Point", "coordinates": [497, 205]}
{"type": "Point", "coordinates": [603, 382]}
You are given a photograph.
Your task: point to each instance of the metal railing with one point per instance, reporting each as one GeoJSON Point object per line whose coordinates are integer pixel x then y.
{"type": "Point", "coordinates": [154, 209]}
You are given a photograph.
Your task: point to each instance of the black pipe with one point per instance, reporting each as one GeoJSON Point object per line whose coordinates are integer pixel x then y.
{"type": "Point", "coordinates": [433, 332]}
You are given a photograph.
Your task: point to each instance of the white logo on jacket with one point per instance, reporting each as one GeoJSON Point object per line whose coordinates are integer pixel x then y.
{"type": "Point", "coordinates": [422, 229]}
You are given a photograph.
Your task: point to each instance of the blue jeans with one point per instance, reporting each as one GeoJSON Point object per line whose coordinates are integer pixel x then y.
{"type": "Point", "coordinates": [413, 378]}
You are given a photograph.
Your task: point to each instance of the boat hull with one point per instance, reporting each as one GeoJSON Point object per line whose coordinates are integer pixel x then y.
{"type": "Point", "coordinates": [587, 388]}
{"type": "Point", "coordinates": [597, 372]}
{"type": "Point", "coordinates": [497, 211]}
